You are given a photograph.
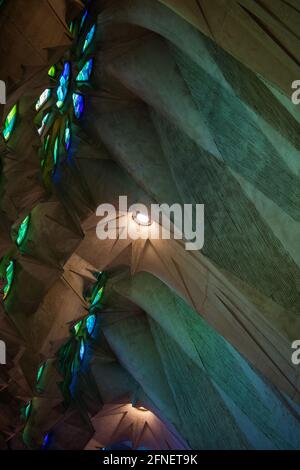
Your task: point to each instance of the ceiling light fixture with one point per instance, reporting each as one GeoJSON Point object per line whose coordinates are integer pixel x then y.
{"type": "Point", "coordinates": [141, 219]}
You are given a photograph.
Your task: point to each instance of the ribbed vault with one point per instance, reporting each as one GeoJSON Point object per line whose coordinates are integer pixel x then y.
{"type": "Point", "coordinates": [178, 109]}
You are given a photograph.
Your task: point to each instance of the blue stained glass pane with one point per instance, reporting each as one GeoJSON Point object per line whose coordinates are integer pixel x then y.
{"type": "Point", "coordinates": [45, 441]}
{"type": "Point", "coordinates": [89, 37]}
{"type": "Point", "coordinates": [78, 104]}
{"type": "Point", "coordinates": [90, 323]}
{"type": "Point", "coordinates": [67, 136]}
{"type": "Point", "coordinates": [85, 72]}
{"type": "Point", "coordinates": [82, 349]}
{"type": "Point", "coordinates": [83, 19]}
{"type": "Point", "coordinates": [63, 87]}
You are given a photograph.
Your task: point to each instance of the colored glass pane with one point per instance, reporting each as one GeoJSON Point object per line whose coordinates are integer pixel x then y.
{"type": "Point", "coordinates": [9, 278]}
{"type": "Point", "coordinates": [44, 122]}
{"type": "Point", "coordinates": [82, 349]}
{"type": "Point", "coordinates": [67, 136]}
{"type": "Point", "coordinates": [90, 323]}
{"type": "Point", "coordinates": [10, 122]}
{"type": "Point", "coordinates": [85, 72]}
{"type": "Point", "coordinates": [43, 99]}
{"type": "Point", "coordinates": [78, 104]}
{"type": "Point", "coordinates": [63, 87]}
{"type": "Point", "coordinates": [89, 37]}
{"type": "Point", "coordinates": [52, 71]}
{"type": "Point", "coordinates": [55, 150]}
{"type": "Point", "coordinates": [40, 372]}
{"type": "Point", "coordinates": [23, 229]}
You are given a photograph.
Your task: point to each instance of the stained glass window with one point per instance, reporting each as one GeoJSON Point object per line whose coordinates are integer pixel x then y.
{"type": "Point", "coordinates": [40, 372]}
{"type": "Point", "coordinates": [44, 122]}
{"type": "Point", "coordinates": [89, 38]}
{"type": "Point", "coordinates": [63, 87]}
{"type": "Point", "coordinates": [67, 136]}
{"type": "Point", "coordinates": [9, 278]}
{"type": "Point", "coordinates": [23, 229]}
{"type": "Point", "coordinates": [78, 104]}
{"type": "Point", "coordinates": [46, 143]}
{"type": "Point", "coordinates": [28, 409]}
{"type": "Point", "coordinates": [77, 327]}
{"type": "Point", "coordinates": [85, 72]}
{"type": "Point", "coordinates": [90, 323]}
{"type": "Point", "coordinates": [52, 71]}
{"type": "Point", "coordinates": [82, 349]}
{"type": "Point", "coordinates": [83, 19]}
{"type": "Point", "coordinates": [10, 122]}
{"type": "Point", "coordinates": [97, 296]}
{"type": "Point", "coordinates": [43, 99]}
{"type": "Point", "coordinates": [55, 150]}
{"type": "Point", "coordinates": [45, 441]}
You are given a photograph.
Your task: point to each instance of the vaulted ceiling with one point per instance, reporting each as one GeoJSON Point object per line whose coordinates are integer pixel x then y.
{"type": "Point", "coordinates": [141, 341]}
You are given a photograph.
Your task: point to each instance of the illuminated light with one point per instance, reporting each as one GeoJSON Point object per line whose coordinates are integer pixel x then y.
{"type": "Point", "coordinates": [9, 278]}
{"type": "Point", "coordinates": [81, 350]}
{"type": "Point", "coordinates": [10, 122]}
{"type": "Point", "coordinates": [77, 327]}
{"type": "Point", "coordinates": [85, 73]}
{"type": "Point", "coordinates": [23, 229]}
{"type": "Point", "coordinates": [63, 87]}
{"type": "Point", "coordinates": [67, 136]}
{"type": "Point", "coordinates": [71, 26]}
{"type": "Point", "coordinates": [44, 122]}
{"type": "Point", "coordinates": [43, 99]}
{"type": "Point", "coordinates": [90, 323]}
{"type": "Point", "coordinates": [52, 71]}
{"type": "Point", "coordinates": [89, 37]}
{"type": "Point", "coordinates": [141, 408]}
{"type": "Point", "coordinates": [141, 219]}
{"type": "Point", "coordinates": [78, 104]}
{"type": "Point", "coordinates": [55, 150]}
{"type": "Point", "coordinates": [40, 372]}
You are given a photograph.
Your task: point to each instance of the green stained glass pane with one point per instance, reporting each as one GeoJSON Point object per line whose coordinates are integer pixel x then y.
{"type": "Point", "coordinates": [23, 229]}
{"type": "Point", "coordinates": [9, 278]}
{"type": "Point", "coordinates": [77, 327]}
{"type": "Point", "coordinates": [10, 122]}
{"type": "Point", "coordinates": [89, 37]}
{"type": "Point", "coordinates": [85, 72]}
{"type": "Point", "coordinates": [55, 151]}
{"type": "Point", "coordinates": [40, 372]}
{"type": "Point", "coordinates": [46, 143]}
{"type": "Point", "coordinates": [97, 296]}
{"type": "Point", "coordinates": [27, 409]}
{"type": "Point", "coordinates": [52, 71]}
{"type": "Point", "coordinates": [43, 99]}
{"type": "Point", "coordinates": [71, 26]}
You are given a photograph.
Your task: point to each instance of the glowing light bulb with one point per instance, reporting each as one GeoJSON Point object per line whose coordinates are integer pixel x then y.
{"type": "Point", "coordinates": [141, 219]}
